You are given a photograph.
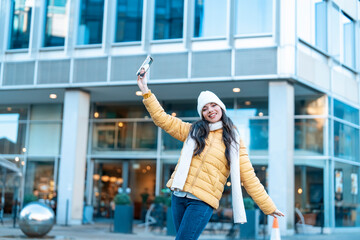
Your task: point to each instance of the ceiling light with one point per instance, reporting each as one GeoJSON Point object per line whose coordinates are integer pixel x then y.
{"type": "Point", "coordinates": [96, 115]}
{"type": "Point", "coordinates": [9, 109]}
{"type": "Point", "coordinates": [120, 124]}
{"type": "Point", "coordinates": [236, 90]}
{"type": "Point", "coordinates": [261, 114]}
{"type": "Point", "coordinates": [53, 96]}
{"type": "Point", "coordinates": [247, 103]}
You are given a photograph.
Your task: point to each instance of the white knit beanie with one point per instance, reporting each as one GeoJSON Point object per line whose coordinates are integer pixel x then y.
{"type": "Point", "coordinates": [206, 97]}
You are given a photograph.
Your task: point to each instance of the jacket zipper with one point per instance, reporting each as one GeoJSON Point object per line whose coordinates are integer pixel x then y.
{"type": "Point", "coordinates": [202, 163]}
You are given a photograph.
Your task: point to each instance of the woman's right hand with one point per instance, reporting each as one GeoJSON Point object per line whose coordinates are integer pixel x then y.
{"type": "Point", "coordinates": [142, 82]}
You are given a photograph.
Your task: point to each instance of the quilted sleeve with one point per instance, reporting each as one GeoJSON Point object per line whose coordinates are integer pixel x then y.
{"type": "Point", "coordinates": [252, 184]}
{"type": "Point", "coordinates": [172, 125]}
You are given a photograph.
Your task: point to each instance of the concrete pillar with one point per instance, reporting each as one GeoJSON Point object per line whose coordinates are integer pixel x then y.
{"type": "Point", "coordinates": [281, 150]}
{"type": "Point", "coordinates": [73, 157]}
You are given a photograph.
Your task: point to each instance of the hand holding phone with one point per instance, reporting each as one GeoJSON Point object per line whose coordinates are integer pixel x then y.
{"type": "Point", "coordinates": [144, 67]}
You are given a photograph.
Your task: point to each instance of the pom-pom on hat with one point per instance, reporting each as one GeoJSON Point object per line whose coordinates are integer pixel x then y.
{"type": "Point", "coordinates": [206, 97]}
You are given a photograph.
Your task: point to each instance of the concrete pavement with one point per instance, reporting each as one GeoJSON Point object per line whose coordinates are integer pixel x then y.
{"type": "Point", "coordinates": [101, 231]}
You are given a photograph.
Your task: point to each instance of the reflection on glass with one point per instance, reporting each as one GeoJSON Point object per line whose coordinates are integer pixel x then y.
{"type": "Point", "coordinates": [259, 134]}
{"type": "Point", "coordinates": [21, 111]}
{"type": "Point", "coordinates": [20, 24]}
{"type": "Point", "coordinates": [107, 179]}
{"type": "Point", "coordinates": [348, 28]}
{"type": "Point", "coordinates": [130, 110]}
{"type": "Point", "coordinates": [124, 136]}
{"type": "Point", "coordinates": [253, 16]}
{"type": "Point", "coordinates": [56, 23]}
{"type": "Point", "coordinates": [46, 112]}
{"type": "Point", "coordinates": [170, 143]}
{"type": "Point", "coordinates": [129, 20]}
{"type": "Point", "coordinates": [91, 22]}
{"type": "Point", "coordinates": [142, 174]}
{"type": "Point", "coordinates": [335, 31]}
{"type": "Point", "coordinates": [205, 24]}
{"type": "Point", "coordinates": [346, 112]}
{"type": "Point", "coordinates": [347, 201]}
{"type": "Point", "coordinates": [12, 134]}
{"type": "Point", "coordinates": [309, 195]}
{"type": "Point", "coordinates": [39, 179]}
{"type": "Point", "coordinates": [346, 142]}
{"type": "Point", "coordinates": [44, 138]}
{"type": "Point", "coordinates": [169, 16]}
{"type": "Point", "coordinates": [309, 136]}
{"type": "Point", "coordinates": [310, 105]}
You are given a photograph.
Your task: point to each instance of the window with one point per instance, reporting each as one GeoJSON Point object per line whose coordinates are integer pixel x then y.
{"type": "Point", "coordinates": [91, 22]}
{"type": "Point", "coordinates": [345, 112]}
{"type": "Point", "coordinates": [312, 22]}
{"type": "Point", "coordinates": [169, 16]}
{"type": "Point", "coordinates": [205, 24]}
{"type": "Point", "coordinates": [129, 20]}
{"type": "Point", "coordinates": [56, 23]}
{"type": "Point", "coordinates": [346, 142]}
{"type": "Point", "coordinates": [20, 24]}
{"type": "Point", "coordinates": [348, 41]}
{"type": "Point", "coordinates": [254, 17]}
{"type": "Point", "coordinates": [335, 32]}
{"type": "Point", "coordinates": [308, 137]}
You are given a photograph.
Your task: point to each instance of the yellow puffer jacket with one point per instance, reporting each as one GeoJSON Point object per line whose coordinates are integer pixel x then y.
{"type": "Point", "coordinates": [209, 171]}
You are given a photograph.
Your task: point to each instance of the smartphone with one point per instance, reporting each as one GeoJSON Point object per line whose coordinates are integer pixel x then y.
{"type": "Point", "coordinates": [146, 65]}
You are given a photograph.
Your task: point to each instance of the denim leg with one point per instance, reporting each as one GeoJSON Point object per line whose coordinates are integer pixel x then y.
{"type": "Point", "coordinates": [178, 206]}
{"type": "Point", "coordinates": [197, 215]}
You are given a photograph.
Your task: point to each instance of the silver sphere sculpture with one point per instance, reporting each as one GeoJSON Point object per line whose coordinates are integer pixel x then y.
{"type": "Point", "coordinates": [36, 219]}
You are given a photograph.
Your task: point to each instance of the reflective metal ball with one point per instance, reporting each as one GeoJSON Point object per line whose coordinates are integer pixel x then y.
{"type": "Point", "coordinates": [36, 219]}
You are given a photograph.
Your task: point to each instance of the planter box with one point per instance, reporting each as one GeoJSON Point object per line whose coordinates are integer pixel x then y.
{"type": "Point", "coordinates": [250, 229]}
{"type": "Point", "coordinates": [123, 219]}
{"type": "Point", "coordinates": [170, 226]}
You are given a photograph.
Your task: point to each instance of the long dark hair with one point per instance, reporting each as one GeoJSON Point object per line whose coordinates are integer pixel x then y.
{"type": "Point", "coordinates": [200, 131]}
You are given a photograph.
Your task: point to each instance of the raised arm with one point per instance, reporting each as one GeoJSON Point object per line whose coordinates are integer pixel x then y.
{"type": "Point", "coordinates": [172, 125]}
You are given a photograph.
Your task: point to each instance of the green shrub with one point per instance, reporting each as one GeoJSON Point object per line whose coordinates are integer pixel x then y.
{"type": "Point", "coordinates": [28, 198]}
{"type": "Point", "coordinates": [122, 199]}
{"type": "Point", "coordinates": [249, 203]}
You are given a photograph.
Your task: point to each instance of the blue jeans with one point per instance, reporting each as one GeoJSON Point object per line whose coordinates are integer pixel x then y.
{"type": "Point", "coordinates": [190, 217]}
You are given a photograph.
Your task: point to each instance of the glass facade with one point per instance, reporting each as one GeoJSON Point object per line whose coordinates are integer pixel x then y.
{"type": "Point", "coordinates": [56, 23]}
{"type": "Point", "coordinates": [205, 24]}
{"type": "Point", "coordinates": [91, 22]}
{"type": "Point", "coordinates": [348, 40]}
{"type": "Point", "coordinates": [20, 24]}
{"type": "Point", "coordinates": [128, 20]}
{"type": "Point", "coordinates": [169, 17]}
{"type": "Point", "coordinates": [254, 17]}
{"type": "Point", "coordinates": [312, 22]}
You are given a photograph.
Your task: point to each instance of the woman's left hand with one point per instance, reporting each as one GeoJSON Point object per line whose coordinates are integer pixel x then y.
{"type": "Point", "coordinates": [277, 213]}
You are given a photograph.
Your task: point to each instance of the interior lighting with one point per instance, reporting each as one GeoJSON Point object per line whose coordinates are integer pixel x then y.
{"type": "Point", "coordinates": [261, 114]}
{"type": "Point", "coordinates": [9, 109]}
{"type": "Point", "coordinates": [105, 178]}
{"type": "Point", "coordinates": [138, 93]}
{"type": "Point", "coordinates": [119, 180]}
{"type": "Point", "coordinates": [148, 167]}
{"type": "Point", "coordinates": [173, 114]}
{"type": "Point", "coordinates": [96, 115]}
{"type": "Point", "coordinates": [96, 177]}
{"type": "Point", "coordinates": [120, 124]}
{"type": "Point", "coordinates": [228, 184]}
{"type": "Point", "coordinates": [24, 149]}
{"type": "Point", "coordinates": [247, 103]}
{"type": "Point", "coordinates": [144, 171]}
{"type": "Point", "coordinates": [300, 191]}
{"type": "Point", "coordinates": [22, 163]}
{"type": "Point", "coordinates": [113, 179]}
{"type": "Point", "coordinates": [17, 159]}
{"type": "Point", "coordinates": [236, 90]}
{"type": "Point", "coordinates": [263, 168]}
{"type": "Point", "coordinates": [53, 96]}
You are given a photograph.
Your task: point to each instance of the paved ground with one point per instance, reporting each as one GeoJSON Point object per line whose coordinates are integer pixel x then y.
{"type": "Point", "coordinates": [101, 231]}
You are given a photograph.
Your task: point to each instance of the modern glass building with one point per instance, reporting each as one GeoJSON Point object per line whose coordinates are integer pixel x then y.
{"type": "Point", "coordinates": [288, 72]}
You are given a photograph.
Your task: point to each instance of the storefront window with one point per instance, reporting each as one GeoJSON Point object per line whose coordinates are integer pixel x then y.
{"type": "Point", "coordinates": [122, 136]}
{"type": "Point", "coordinates": [205, 24]}
{"type": "Point", "coordinates": [309, 136]}
{"type": "Point", "coordinates": [169, 17]}
{"type": "Point", "coordinates": [254, 17]}
{"type": "Point", "coordinates": [259, 136]}
{"type": "Point", "coordinates": [56, 23]}
{"type": "Point", "coordinates": [345, 112]}
{"type": "Point", "coordinates": [91, 22]}
{"type": "Point", "coordinates": [310, 105]}
{"type": "Point", "coordinates": [128, 110]}
{"type": "Point", "coordinates": [309, 197]}
{"type": "Point", "coordinates": [12, 134]}
{"type": "Point", "coordinates": [39, 179]}
{"type": "Point", "coordinates": [347, 201]}
{"type": "Point", "coordinates": [129, 20]}
{"type": "Point", "coordinates": [346, 142]}
{"type": "Point", "coordinates": [20, 24]}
